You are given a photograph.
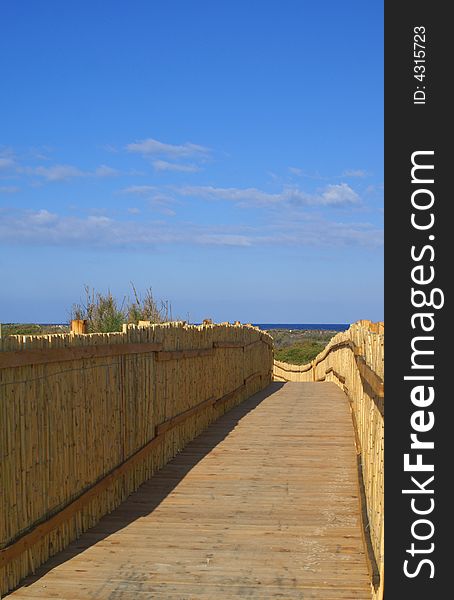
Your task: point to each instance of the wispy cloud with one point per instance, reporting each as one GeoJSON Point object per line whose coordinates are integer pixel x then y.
{"type": "Point", "coordinates": [326, 233]}
{"type": "Point", "coordinates": [164, 165]}
{"type": "Point", "coordinates": [154, 147]}
{"type": "Point", "coordinates": [6, 162]}
{"type": "Point", "coordinates": [296, 171]}
{"type": "Point", "coordinates": [56, 172]}
{"type": "Point", "coordinates": [240, 195]}
{"type": "Point", "coordinates": [15, 167]}
{"type": "Point", "coordinates": [355, 173]}
{"type": "Point", "coordinates": [163, 204]}
{"type": "Point", "coordinates": [106, 171]}
{"type": "Point", "coordinates": [141, 190]}
{"type": "Point", "coordinates": [42, 227]}
{"type": "Point", "coordinates": [168, 157]}
{"type": "Point", "coordinates": [66, 172]}
{"type": "Point", "coordinates": [339, 195]}
{"type": "Point", "coordinates": [332, 195]}
{"type": "Point", "coordinates": [42, 217]}
{"type": "Point", "coordinates": [225, 239]}
{"type": "Point", "coordinates": [9, 189]}
{"type": "Point", "coordinates": [156, 198]}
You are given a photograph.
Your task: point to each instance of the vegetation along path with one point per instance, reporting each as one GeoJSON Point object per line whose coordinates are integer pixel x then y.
{"type": "Point", "coordinates": [264, 504]}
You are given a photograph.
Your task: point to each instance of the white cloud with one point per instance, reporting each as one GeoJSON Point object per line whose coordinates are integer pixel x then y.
{"type": "Point", "coordinates": [163, 165]}
{"type": "Point", "coordinates": [9, 189]}
{"type": "Point", "coordinates": [151, 146]}
{"type": "Point", "coordinates": [43, 228]}
{"type": "Point", "coordinates": [106, 171]}
{"type": "Point", "coordinates": [354, 173]}
{"type": "Point", "coordinates": [6, 162]}
{"type": "Point", "coordinates": [317, 176]}
{"type": "Point", "coordinates": [42, 217]}
{"type": "Point", "coordinates": [332, 195]}
{"type": "Point", "coordinates": [139, 190]}
{"type": "Point", "coordinates": [100, 220]}
{"type": "Point", "coordinates": [157, 200]}
{"type": "Point", "coordinates": [162, 204]}
{"type": "Point", "coordinates": [338, 195]}
{"type": "Point", "coordinates": [240, 195]}
{"type": "Point", "coordinates": [222, 239]}
{"type": "Point", "coordinates": [56, 172]}
{"type": "Point", "coordinates": [296, 171]}
{"type": "Point", "coordinates": [65, 172]}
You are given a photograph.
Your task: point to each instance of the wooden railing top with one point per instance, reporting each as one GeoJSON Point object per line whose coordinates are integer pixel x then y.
{"type": "Point", "coordinates": [293, 368]}
{"type": "Point", "coordinates": [56, 348]}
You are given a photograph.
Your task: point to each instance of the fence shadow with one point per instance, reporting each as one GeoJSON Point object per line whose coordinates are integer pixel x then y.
{"type": "Point", "coordinates": [151, 493]}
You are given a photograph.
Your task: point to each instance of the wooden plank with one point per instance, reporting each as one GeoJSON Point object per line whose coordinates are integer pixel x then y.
{"type": "Point", "coordinates": [22, 358]}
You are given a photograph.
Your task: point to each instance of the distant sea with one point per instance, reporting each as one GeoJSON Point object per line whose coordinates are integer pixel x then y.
{"type": "Point", "coordinates": [310, 326]}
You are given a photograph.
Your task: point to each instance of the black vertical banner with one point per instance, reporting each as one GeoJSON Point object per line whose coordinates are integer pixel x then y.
{"type": "Point", "coordinates": [419, 259]}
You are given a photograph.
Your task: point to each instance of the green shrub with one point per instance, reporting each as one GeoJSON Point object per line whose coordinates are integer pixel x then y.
{"type": "Point", "coordinates": [299, 354]}
{"type": "Point", "coordinates": [104, 313]}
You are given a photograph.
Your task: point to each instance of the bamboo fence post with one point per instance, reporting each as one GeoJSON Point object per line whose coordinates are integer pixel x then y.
{"type": "Point", "coordinates": [79, 326]}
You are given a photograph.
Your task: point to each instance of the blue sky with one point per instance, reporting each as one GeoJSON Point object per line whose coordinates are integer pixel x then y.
{"type": "Point", "coordinates": [229, 155]}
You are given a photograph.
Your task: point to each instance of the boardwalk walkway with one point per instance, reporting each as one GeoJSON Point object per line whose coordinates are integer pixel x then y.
{"type": "Point", "coordinates": [263, 505]}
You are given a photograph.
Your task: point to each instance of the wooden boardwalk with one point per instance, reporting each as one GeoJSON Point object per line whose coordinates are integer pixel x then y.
{"type": "Point", "coordinates": [263, 505]}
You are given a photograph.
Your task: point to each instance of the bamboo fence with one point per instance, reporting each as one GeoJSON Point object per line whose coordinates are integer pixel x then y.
{"type": "Point", "coordinates": [354, 361]}
{"type": "Point", "coordinates": [85, 419]}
